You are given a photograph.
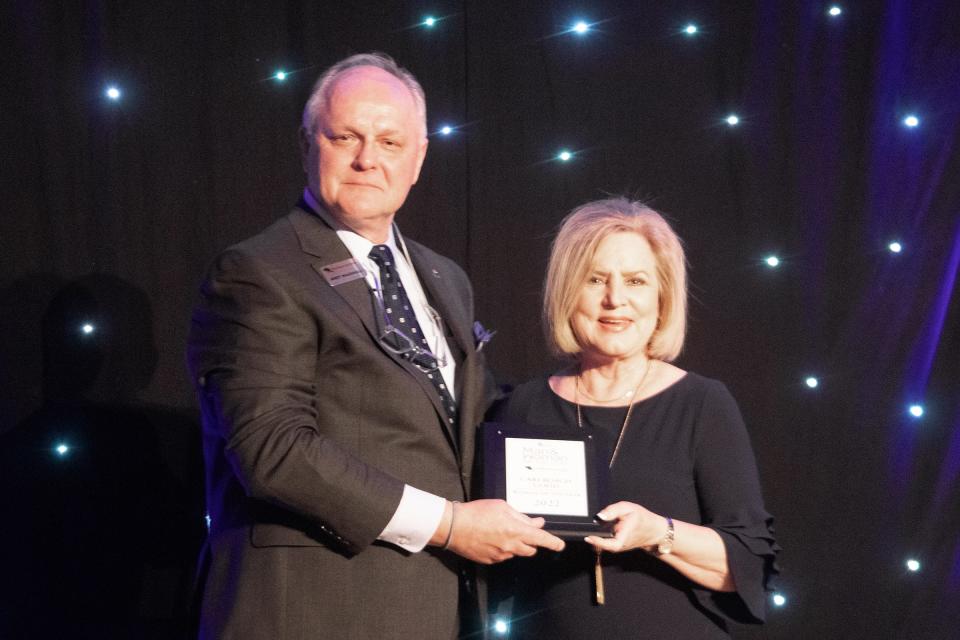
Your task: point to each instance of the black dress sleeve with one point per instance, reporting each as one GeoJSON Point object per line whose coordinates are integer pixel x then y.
{"type": "Point", "coordinates": [731, 503]}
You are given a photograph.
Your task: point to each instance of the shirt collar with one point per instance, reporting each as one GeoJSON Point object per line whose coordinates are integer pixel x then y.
{"type": "Point", "coordinates": [358, 246]}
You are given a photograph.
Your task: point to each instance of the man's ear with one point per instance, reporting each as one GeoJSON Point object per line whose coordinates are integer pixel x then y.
{"type": "Point", "coordinates": [422, 154]}
{"type": "Point", "coordinates": [305, 140]}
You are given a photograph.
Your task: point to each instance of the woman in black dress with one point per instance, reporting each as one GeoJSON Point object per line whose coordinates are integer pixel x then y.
{"type": "Point", "coordinates": [693, 545]}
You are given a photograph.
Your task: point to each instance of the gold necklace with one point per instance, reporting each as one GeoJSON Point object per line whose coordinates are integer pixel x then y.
{"type": "Point", "coordinates": [599, 592]}
{"type": "Point", "coordinates": [626, 418]}
{"type": "Point", "coordinates": [625, 394]}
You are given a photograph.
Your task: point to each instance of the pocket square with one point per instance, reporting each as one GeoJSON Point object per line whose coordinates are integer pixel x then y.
{"type": "Point", "coordinates": [480, 335]}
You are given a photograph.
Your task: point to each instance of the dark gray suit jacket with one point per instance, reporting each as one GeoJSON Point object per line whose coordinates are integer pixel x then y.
{"type": "Point", "coordinates": [311, 429]}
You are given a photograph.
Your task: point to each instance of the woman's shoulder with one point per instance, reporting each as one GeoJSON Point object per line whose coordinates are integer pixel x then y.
{"type": "Point", "coordinates": [698, 384]}
{"type": "Point", "coordinates": [531, 390]}
{"type": "Point", "coordinates": [516, 400]}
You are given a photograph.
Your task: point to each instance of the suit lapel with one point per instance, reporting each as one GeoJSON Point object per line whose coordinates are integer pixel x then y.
{"type": "Point", "coordinates": [441, 292]}
{"type": "Point", "coordinates": [352, 300]}
{"type": "Point", "coordinates": [448, 302]}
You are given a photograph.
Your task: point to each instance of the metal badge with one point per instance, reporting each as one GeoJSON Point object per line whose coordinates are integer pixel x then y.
{"type": "Point", "coordinates": [337, 273]}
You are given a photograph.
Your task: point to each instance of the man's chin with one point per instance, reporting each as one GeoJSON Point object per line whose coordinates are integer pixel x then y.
{"type": "Point", "coordinates": [362, 216]}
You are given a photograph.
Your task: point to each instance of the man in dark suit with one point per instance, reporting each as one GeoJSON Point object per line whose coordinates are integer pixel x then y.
{"type": "Point", "coordinates": [340, 384]}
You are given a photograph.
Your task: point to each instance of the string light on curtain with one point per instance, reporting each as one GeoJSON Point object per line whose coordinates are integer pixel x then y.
{"type": "Point", "coordinates": [113, 93]}
{"type": "Point", "coordinates": [580, 27]}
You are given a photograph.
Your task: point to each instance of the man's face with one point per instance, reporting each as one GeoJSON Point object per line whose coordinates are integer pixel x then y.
{"type": "Point", "coordinates": [367, 150]}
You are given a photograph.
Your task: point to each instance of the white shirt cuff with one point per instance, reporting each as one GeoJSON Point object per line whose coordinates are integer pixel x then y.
{"type": "Point", "coordinates": [416, 519]}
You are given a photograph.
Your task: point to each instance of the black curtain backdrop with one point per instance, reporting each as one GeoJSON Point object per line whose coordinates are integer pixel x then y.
{"type": "Point", "coordinates": [112, 210]}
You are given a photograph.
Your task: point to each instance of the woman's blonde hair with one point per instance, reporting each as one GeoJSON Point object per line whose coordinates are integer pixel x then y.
{"type": "Point", "coordinates": [572, 255]}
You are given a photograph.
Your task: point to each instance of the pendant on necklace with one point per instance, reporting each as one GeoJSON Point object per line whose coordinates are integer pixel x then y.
{"type": "Point", "coordinates": [599, 596]}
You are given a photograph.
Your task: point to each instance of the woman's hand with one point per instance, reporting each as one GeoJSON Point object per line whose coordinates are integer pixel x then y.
{"type": "Point", "coordinates": [634, 528]}
{"type": "Point", "coordinates": [698, 551]}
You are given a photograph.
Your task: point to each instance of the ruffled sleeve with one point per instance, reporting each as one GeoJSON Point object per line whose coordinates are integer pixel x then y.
{"type": "Point", "coordinates": [731, 503]}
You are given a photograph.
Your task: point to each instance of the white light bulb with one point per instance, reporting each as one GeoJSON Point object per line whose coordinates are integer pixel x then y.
{"type": "Point", "coordinates": [581, 27]}
{"type": "Point", "coordinates": [429, 21]}
{"type": "Point", "coordinates": [733, 120]}
{"type": "Point", "coordinates": [281, 75]}
{"type": "Point", "coordinates": [772, 261]}
{"type": "Point", "coordinates": [895, 247]}
{"type": "Point", "coordinates": [690, 29]}
{"type": "Point", "coordinates": [911, 121]}
{"type": "Point", "coordinates": [446, 130]}
{"type": "Point", "coordinates": [835, 11]}
{"type": "Point", "coordinates": [913, 565]}
{"type": "Point", "coordinates": [812, 382]}
{"type": "Point", "coordinates": [779, 599]}
{"type": "Point", "coordinates": [501, 626]}
{"type": "Point", "coordinates": [113, 93]}
{"type": "Point", "coordinates": [564, 156]}
{"type": "Point", "coordinates": [916, 410]}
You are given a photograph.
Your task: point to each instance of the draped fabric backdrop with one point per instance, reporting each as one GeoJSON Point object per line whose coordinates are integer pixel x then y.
{"type": "Point", "coordinates": [112, 210]}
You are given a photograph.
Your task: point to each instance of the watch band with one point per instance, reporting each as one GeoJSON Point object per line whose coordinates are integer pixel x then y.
{"type": "Point", "coordinates": [665, 546]}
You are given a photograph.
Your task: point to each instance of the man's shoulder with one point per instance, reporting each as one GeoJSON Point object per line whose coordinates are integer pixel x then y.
{"type": "Point", "coordinates": [277, 237]}
{"type": "Point", "coordinates": [277, 249]}
{"type": "Point", "coordinates": [425, 256]}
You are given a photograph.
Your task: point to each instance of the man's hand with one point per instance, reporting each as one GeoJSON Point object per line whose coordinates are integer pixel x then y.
{"type": "Point", "coordinates": [489, 531]}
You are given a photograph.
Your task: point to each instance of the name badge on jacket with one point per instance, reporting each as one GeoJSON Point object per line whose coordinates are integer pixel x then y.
{"type": "Point", "coordinates": [337, 273]}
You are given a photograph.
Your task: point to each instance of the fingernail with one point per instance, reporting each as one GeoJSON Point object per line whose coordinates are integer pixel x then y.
{"type": "Point", "coordinates": [602, 515]}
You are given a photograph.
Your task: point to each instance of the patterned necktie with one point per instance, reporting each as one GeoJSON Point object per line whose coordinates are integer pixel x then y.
{"type": "Point", "coordinates": [400, 317]}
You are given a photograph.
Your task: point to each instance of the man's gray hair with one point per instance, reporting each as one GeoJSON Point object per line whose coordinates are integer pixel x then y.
{"type": "Point", "coordinates": [319, 97]}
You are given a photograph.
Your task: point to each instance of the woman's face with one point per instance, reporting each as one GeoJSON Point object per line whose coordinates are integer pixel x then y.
{"type": "Point", "coordinates": [616, 311]}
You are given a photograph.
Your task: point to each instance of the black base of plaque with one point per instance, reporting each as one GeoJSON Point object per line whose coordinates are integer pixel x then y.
{"type": "Point", "coordinates": [576, 530]}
